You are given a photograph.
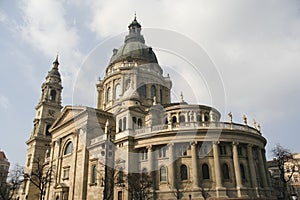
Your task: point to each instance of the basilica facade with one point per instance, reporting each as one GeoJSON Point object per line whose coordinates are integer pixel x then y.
{"type": "Point", "coordinates": [178, 150]}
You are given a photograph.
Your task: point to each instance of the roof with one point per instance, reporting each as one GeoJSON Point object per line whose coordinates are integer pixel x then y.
{"type": "Point", "coordinates": [2, 156]}
{"type": "Point", "coordinates": [134, 47]}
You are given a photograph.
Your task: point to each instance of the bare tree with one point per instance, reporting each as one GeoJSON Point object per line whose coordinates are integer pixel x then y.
{"type": "Point", "coordinates": [40, 176]}
{"type": "Point", "coordinates": [283, 156]}
{"type": "Point", "coordinates": [10, 185]}
{"type": "Point", "coordinates": [179, 186]}
{"type": "Point", "coordinates": [139, 186]}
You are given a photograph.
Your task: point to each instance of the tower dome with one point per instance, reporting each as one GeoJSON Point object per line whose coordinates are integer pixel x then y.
{"type": "Point", "coordinates": [134, 48]}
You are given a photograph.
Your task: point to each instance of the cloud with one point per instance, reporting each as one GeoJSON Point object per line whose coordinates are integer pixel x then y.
{"type": "Point", "coordinates": [254, 44]}
{"type": "Point", "coordinates": [46, 29]}
{"type": "Point", "coordinates": [4, 102]}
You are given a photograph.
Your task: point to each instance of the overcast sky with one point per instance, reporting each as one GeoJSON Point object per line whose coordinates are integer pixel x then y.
{"type": "Point", "coordinates": [254, 46]}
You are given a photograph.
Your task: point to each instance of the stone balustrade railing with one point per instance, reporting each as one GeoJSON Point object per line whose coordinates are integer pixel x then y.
{"type": "Point", "coordinates": [194, 125]}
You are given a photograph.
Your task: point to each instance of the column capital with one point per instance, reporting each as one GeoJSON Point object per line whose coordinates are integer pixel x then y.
{"type": "Point", "coordinates": [235, 143]}
{"type": "Point", "coordinates": [216, 142]}
{"type": "Point", "coordinates": [250, 145]}
{"type": "Point", "coordinates": [193, 143]}
{"type": "Point", "coordinates": [149, 147]}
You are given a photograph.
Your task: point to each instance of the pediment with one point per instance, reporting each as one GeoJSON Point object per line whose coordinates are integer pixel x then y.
{"type": "Point", "coordinates": [68, 113]}
{"type": "Point", "coordinates": [133, 108]}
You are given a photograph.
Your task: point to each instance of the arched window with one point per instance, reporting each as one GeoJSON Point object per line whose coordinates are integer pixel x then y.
{"type": "Point", "coordinates": [144, 174]}
{"type": "Point", "coordinates": [108, 94]}
{"type": "Point", "coordinates": [93, 174]}
{"type": "Point", "coordinates": [47, 130]}
{"type": "Point", "coordinates": [120, 125]}
{"type": "Point", "coordinates": [243, 174]}
{"type": "Point", "coordinates": [117, 91]}
{"type": "Point", "coordinates": [206, 118]}
{"type": "Point", "coordinates": [52, 95]}
{"type": "Point", "coordinates": [174, 119]}
{"type": "Point", "coordinates": [183, 172]}
{"type": "Point", "coordinates": [182, 118]}
{"type": "Point", "coordinates": [121, 175]}
{"type": "Point", "coordinates": [140, 123]}
{"type": "Point", "coordinates": [198, 118]}
{"type": "Point", "coordinates": [225, 171]}
{"type": "Point", "coordinates": [162, 173]}
{"type": "Point", "coordinates": [153, 91]}
{"type": "Point", "coordinates": [124, 123]}
{"type": "Point", "coordinates": [142, 91]}
{"type": "Point", "coordinates": [57, 197]}
{"type": "Point", "coordinates": [133, 122]}
{"type": "Point", "coordinates": [205, 171]}
{"type": "Point", "coordinates": [68, 148]}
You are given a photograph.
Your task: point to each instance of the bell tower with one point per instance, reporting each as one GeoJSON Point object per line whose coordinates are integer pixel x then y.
{"type": "Point", "coordinates": [47, 111]}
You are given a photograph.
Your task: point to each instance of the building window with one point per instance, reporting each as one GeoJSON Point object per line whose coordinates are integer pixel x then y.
{"type": "Point", "coordinates": [52, 95]}
{"type": "Point", "coordinates": [206, 118]}
{"type": "Point", "coordinates": [68, 148]}
{"type": "Point", "coordinates": [182, 118]}
{"type": "Point", "coordinates": [93, 174]}
{"type": "Point", "coordinates": [153, 91]}
{"type": "Point", "coordinates": [144, 174]}
{"type": "Point", "coordinates": [144, 154]}
{"type": "Point", "coordinates": [140, 123]}
{"type": "Point", "coordinates": [142, 91]}
{"type": "Point", "coordinates": [120, 195]}
{"type": "Point", "coordinates": [203, 150]}
{"type": "Point", "coordinates": [182, 150]}
{"type": "Point", "coordinates": [124, 123]}
{"type": "Point", "coordinates": [198, 118]}
{"type": "Point", "coordinates": [162, 174]}
{"type": "Point", "coordinates": [205, 171]}
{"type": "Point", "coordinates": [225, 171]}
{"type": "Point", "coordinates": [174, 119]}
{"type": "Point", "coordinates": [240, 150]}
{"type": "Point", "coordinates": [120, 175]}
{"type": "Point", "coordinates": [162, 152]}
{"type": "Point", "coordinates": [243, 174]}
{"type": "Point", "coordinates": [222, 150]}
{"type": "Point", "coordinates": [108, 94]}
{"type": "Point", "coordinates": [120, 125]}
{"type": "Point", "coordinates": [47, 130]}
{"type": "Point", "coordinates": [118, 91]}
{"type": "Point", "coordinates": [66, 171]}
{"type": "Point", "coordinates": [183, 172]}
{"type": "Point", "coordinates": [133, 122]}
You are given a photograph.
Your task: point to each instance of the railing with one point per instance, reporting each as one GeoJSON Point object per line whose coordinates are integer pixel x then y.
{"type": "Point", "coordinates": [196, 125]}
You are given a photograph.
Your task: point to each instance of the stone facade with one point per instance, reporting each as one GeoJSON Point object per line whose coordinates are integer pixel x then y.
{"type": "Point", "coordinates": [4, 168]}
{"type": "Point", "coordinates": [187, 151]}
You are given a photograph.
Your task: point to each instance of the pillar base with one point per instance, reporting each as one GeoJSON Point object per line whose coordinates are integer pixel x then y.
{"type": "Point", "coordinates": [221, 192]}
{"type": "Point", "coordinates": [242, 192]}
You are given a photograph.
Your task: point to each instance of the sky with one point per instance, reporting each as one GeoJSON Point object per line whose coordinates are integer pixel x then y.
{"type": "Point", "coordinates": [250, 52]}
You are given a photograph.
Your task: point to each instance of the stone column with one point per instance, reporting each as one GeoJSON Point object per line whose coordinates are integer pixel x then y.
{"type": "Point", "coordinates": [237, 169]}
{"type": "Point", "coordinates": [262, 169]}
{"type": "Point", "coordinates": [151, 165]}
{"type": "Point", "coordinates": [253, 176]}
{"type": "Point", "coordinates": [217, 165]}
{"type": "Point", "coordinates": [194, 165]}
{"type": "Point", "coordinates": [171, 173]}
{"type": "Point", "coordinates": [221, 191]}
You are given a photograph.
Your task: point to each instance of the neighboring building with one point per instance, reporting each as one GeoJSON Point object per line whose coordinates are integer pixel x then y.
{"type": "Point", "coordinates": [291, 169]}
{"type": "Point", "coordinates": [4, 168]}
{"type": "Point", "coordinates": [185, 148]}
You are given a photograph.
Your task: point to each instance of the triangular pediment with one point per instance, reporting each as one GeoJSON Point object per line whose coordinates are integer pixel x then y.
{"type": "Point", "coordinates": [133, 108]}
{"type": "Point", "coordinates": [67, 114]}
